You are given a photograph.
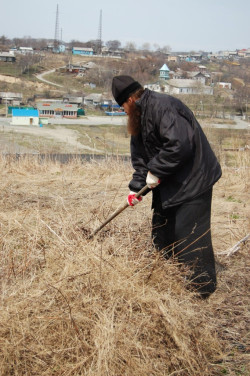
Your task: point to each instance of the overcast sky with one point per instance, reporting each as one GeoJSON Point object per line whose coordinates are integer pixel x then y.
{"type": "Point", "coordinates": [184, 25]}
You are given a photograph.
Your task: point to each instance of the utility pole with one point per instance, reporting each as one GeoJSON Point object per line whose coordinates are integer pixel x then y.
{"type": "Point", "coordinates": [99, 37]}
{"type": "Point", "coordinates": [56, 39]}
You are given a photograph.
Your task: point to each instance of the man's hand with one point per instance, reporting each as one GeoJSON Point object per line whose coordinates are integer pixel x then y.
{"type": "Point", "coordinates": [152, 180]}
{"type": "Point", "coordinates": [132, 200]}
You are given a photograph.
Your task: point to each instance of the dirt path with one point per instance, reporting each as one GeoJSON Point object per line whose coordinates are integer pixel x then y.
{"type": "Point", "coordinates": [58, 134]}
{"type": "Point", "coordinates": [41, 75]}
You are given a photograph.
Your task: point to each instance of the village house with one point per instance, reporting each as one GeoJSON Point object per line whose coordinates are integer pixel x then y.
{"type": "Point", "coordinates": [173, 58]}
{"type": "Point", "coordinates": [164, 72]}
{"type": "Point", "coordinates": [193, 75]}
{"type": "Point", "coordinates": [112, 53]}
{"type": "Point", "coordinates": [224, 85]}
{"type": "Point", "coordinates": [75, 68]}
{"type": "Point", "coordinates": [25, 50]}
{"type": "Point", "coordinates": [202, 68]}
{"type": "Point", "coordinates": [25, 117]}
{"type": "Point", "coordinates": [93, 100]}
{"type": "Point", "coordinates": [187, 86]}
{"type": "Point", "coordinates": [82, 51]}
{"type": "Point", "coordinates": [57, 109]}
{"type": "Point", "coordinates": [192, 58]}
{"type": "Point", "coordinates": [7, 57]}
{"type": "Point", "coordinates": [156, 86]}
{"type": "Point", "coordinates": [244, 53]}
{"type": "Point", "coordinates": [72, 99]}
{"type": "Point", "coordinates": [13, 99]}
{"type": "Point", "coordinates": [197, 76]}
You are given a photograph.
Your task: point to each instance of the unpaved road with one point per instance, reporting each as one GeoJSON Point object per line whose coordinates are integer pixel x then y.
{"type": "Point", "coordinates": [41, 75]}
{"type": "Point", "coordinates": [59, 134]}
{"type": "Point", "coordinates": [69, 137]}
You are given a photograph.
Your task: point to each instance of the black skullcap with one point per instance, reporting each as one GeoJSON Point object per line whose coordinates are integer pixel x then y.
{"type": "Point", "coordinates": [123, 87]}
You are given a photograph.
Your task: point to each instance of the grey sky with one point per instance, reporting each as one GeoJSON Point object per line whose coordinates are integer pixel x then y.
{"type": "Point", "coordinates": [184, 25]}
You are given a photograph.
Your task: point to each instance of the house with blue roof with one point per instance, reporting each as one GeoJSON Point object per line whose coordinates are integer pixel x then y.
{"type": "Point", "coordinates": [25, 116]}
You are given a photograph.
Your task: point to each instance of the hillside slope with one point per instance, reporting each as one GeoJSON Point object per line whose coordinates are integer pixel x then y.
{"type": "Point", "coordinates": [111, 305]}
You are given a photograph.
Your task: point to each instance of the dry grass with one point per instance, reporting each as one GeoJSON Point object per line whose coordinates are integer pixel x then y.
{"type": "Point", "coordinates": [111, 306]}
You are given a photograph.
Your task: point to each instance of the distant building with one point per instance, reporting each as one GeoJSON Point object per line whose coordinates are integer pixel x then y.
{"type": "Point", "coordinates": [59, 49]}
{"type": "Point", "coordinates": [193, 75]}
{"type": "Point", "coordinates": [57, 109]}
{"type": "Point", "coordinates": [7, 57]}
{"type": "Point", "coordinates": [164, 72]}
{"type": "Point", "coordinates": [224, 85]}
{"type": "Point", "coordinates": [25, 117]}
{"type": "Point", "coordinates": [111, 52]}
{"type": "Point", "coordinates": [196, 57]}
{"type": "Point", "coordinates": [93, 100]}
{"type": "Point", "coordinates": [197, 76]}
{"type": "Point", "coordinates": [75, 68]}
{"type": "Point", "coordinates": [154, 86]}
{"type": "Point", "coordinates": [14, 99]}
{"type": "Point", "coordinates": [202, 68]}
{"type": "Point", "coordinates": [82, 51]}
{"type": "Point", "coordinates": [180, 86]}
{"type": "Point", "coordinates": [67, 98]}
{"type": "Point", "coordinates": [25, 50]}
{"type": "Point", "coordinates": [187, 86]}
{"type": "Point", "coordinates": [173, 58]}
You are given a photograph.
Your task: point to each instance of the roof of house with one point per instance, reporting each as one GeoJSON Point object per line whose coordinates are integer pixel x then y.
{"type": "Point", "coordinates": [7, 54]}
{"type": "Point", "coordinates": [82, 49]}
{"type": "Point", "coordinates": [195, 74]}
{"type": "Point", "coordinates": [25, 112]}
{"type": "Point", "coordinates": [25, 48]}
{"type": "Point", "coordinates": [164, 67]}
{"type": "Point", "coordinates": [182, 83]}
{"type": "Point", "coordinates": [56, 106]}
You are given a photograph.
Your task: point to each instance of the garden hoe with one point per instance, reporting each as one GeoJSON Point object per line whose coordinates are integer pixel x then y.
{"type": "Point", "coordinates": [118, 211]}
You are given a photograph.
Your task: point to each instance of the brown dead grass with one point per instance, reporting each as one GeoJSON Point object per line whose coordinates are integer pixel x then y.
{"type": "Point", "coordinates": [111, 305]}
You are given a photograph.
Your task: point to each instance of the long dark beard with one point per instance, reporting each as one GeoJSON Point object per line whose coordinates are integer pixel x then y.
{"type": "Point", "coordinates": [134, 120]}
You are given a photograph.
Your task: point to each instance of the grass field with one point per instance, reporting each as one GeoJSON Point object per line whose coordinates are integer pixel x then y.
{"type": "Point", "coordinates": [110, 139]}
{"type": "Point", "coordinates": [111, 305]}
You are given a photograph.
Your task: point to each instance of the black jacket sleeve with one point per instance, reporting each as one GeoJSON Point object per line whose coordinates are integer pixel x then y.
{"type": "Point", "coordinates": [139, 162]}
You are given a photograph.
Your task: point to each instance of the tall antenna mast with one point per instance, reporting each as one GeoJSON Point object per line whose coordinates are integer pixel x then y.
{"type": "Point", "coordinates": [56, 39]}
{"type": "Point", "coordinates": [99, 37]}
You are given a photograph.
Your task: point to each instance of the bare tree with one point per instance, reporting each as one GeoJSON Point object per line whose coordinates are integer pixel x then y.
{"type": "Point", "coordinates": [113, 44]}
{"type": "Point", "coordinates": [146, 47]}
{"type": "Point", "coordinates": [3, 40]}
{"type": "Point", "coordinates": [165, 49]}
{"type": "Point", "coordinates": [156, 46]}
{"type": "Point", "coordinates": [130, 46]}
{"type": "Point", "coordinates": [25, 62]}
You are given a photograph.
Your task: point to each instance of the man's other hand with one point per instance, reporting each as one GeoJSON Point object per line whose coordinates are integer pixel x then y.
{"type": "Point", "coordinates": [152, 181]}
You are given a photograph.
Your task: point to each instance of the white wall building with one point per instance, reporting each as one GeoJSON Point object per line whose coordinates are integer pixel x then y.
{"type": "Point", "coordinates": [25, 117]}
{"type": "Point", "coordinates": [186, 86]}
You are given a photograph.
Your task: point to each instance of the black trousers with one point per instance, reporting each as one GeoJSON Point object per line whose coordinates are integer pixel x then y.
{"type": "Point", "coordinates": [184, 232]}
